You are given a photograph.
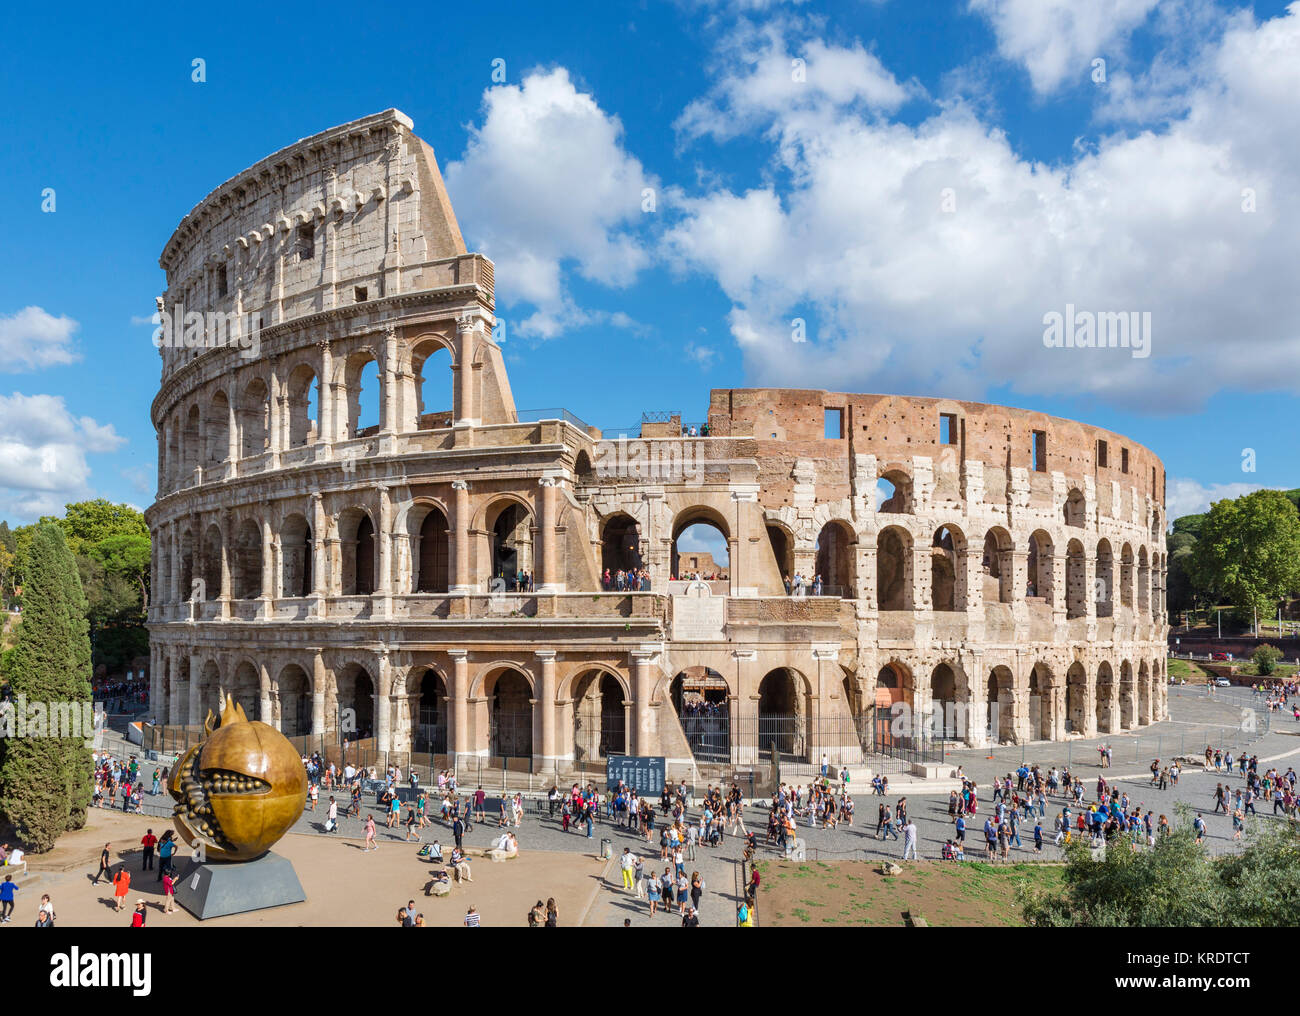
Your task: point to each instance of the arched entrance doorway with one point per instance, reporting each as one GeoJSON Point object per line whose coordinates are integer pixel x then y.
{"type": "Point", "coordinates": [356, 703]}
{"type": "Point", "coordinates": [599, 724]}
{"type": "Point", "coordinates": [1105, 699]}
{"type": "Point", "coordinates": [702, 700]}
{"type": "Point", "coordinates": [512, 545]}
{"type": "Point", "coordinates": [894, 701]}
{"type": "Point", "coordinates": [1127, 700]}
{"type": "Point", "coordinates": [1001, 715]}
{"type": "Point", "coordinates": [430, 714]}
{"type": "Point", "coordinates": [1076, 699]}
{"type": "Point", "coordinates": [782, 716]}
{"type": "Point", "coordinates": [943, 703]}
{"type": "Point", "coordinates": [620, 544]}
{"type": "Point", "coordinates": [291, 706]}
{"type": "Point", "coordinates": [1042, 718]}
{"type": "Point", "coordinates": [834, 564]}
{"type": "Point", "coordinates": [510, 728]}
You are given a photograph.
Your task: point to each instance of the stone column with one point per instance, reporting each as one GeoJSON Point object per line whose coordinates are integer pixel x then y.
{"type": "Point", "coordinates": [462, 582]}
{"type": "Point", "coordinates": [178, 707]}
{"type": "Point", "coordinates": [225, 564]}
{"type": "Point", "coordinates": [274, 415]}
{"type": "Point", "coordinates": [460, 733]}
{"type": "Point", "coordinates": [548, 578]}
{"type": "Point", "coordinates": [317, 694]}
{"type": "Point", "coordinates": [196, 673]}
{"type": "Point", "coordinates": [383, 597]}
{"type": "Point", "coordinates": [383, 705]}
{"type": "Point", "coordinates": [388, 411]}
{"type": "Point", "coordinates": [742, 578]}
{"type": "Point", "coordinates": [264, 711]}
{"type": "Point", "coordinates": [745, 748]}
{"type": "Point", "coordinates": [325, 389]}
{"type": "Point", "coordinates": [268, 562]}
{"type": "Point", "coordinates": [546, 693]}
{"type": "Point", "coordinates": [318, 527]}
{"type": "Point", "coordinates": [233, 447]}
{"type": "Point", "coordinates": [466, 413]}
{"type": "Point", "coordinates": [645, 739]}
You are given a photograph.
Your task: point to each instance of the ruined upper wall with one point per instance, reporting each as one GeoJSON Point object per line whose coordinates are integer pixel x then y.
{"type": "Point", "coordinates": [789, 425]}
{"type": "Point", "coordinates": [350, 215]}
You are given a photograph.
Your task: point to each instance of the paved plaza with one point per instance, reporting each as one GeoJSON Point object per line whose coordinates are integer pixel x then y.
{"type": "Point", "coordinates": [1196, 719]}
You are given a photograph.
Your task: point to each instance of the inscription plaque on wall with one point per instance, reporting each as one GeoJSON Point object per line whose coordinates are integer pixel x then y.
{"type": "Point", "coordinates": [699, 616]}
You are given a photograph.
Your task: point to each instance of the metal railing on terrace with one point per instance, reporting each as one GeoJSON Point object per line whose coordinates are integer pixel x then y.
{"type": "Point", "coordinates": [538, 415]}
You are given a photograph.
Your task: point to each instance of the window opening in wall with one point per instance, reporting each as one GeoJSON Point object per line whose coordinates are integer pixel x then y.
{"type": "Point", "coordinates": [360, 294]}
{"type": "Point", "coordinates": [223, 282]}
{"type": "Point", "coordinates": [1123, 460]}
{"type": "Point", "coordinates": [306, 242]}
{"type": "Point", "coordinates": [1038, 451]}
{"type": "Point", "coordinates": [1153, 479]}
{"type": "Point", "coordinates": [833, 424]}
{"type": "Point", "coordinates": [1101, 454]}
{"type": "Point", "coordinates": [947, 428]}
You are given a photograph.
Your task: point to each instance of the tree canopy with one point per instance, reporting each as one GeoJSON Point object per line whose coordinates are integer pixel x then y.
{"type": "Point", "coordinates": [1248, 551]}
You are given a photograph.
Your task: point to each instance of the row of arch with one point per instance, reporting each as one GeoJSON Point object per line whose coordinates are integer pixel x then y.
{"type": "Point", "coordinates": [280, 409]}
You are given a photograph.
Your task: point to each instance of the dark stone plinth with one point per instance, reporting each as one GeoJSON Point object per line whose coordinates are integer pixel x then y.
{"type": "Point", "coordinates": [216, 888]}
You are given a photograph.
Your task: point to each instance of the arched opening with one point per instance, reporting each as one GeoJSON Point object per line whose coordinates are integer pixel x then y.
{"type": "Point", "coordinates": [1076, 581]}
{"type": "Point", "coordinates": [511, 528]}
{"type": "Point", "coordinates": [620, 547]}
{"type": "Point", "coordinates": [1126, 577]}
{"type": "Point", "coordinates": [997, 566]}
{"type": "Point", "coordinates": [430, 733]}
{"type": "Point", "coordinates": [356, 703]}
{"type": "Point", "coordinates": [1076, 699]}
{"type": "Point", "coordinates": [1144, 582]}
{"type": "Point", "coordinates": [782, 544]}
{"type": "Point", "coordinates": [188, 590]}
{"type": "Point", "coordinates": [1040, 563]}
{"type": "Point", "coordinates": [212, 544]}
{"type": "Point", "coordinates": [943, 703]}
{"type": "Point", "coordinates": [782, 716]}
{"type": "Point", "coordinates": [1042, 703]}
{"type": "Point", "coordinates": [303, 394]}
{"type": "Point", "coordinates": [599, 724]}
{"type": "Point", "coordinates": [582, 470]}
{"type": "Point", "coordinates": [361, 380]}
{"type": "Point", "coordinates": [254, 419]}
{"type": "Point", "coordinates": [893, 569]}
{"type": "Point", "coordinates": [431, 365]}
{"type": "Point", "coordinates": [245, 689]}
{"type": "Point", "coordinates": [357, 548]}
{"type": "Point", "coordinates": [894, 493]}
{"type": "Point", "coordinates": [246, 561]}
{"type": "Point", "coordinates": [1105, 699]}
{"type": "Point", "coordinates": [217, 430]}
{"type": "Point", "coordinates": [511, 718]}
{"type": "Point", "coordinates": [1075, 509]}
{"type": "Point", "coordinates": [834, 563]}
{"type": "Point", "coordinates": [1001, 707]}
{"type": "Point", "coordinates": [432, 552]}
{"type": "Point", "coordinates": [894, 699]}
{"type": "Point", "coordinates": [1127, 699]}
{"type": "Point", "coordinates": [700, 545]}
{"type": "Point", "coordinates": [209, 690]}
{"type": "Point", "coordinates": [701, 698]}
{"type": "Point", "coordinates": [1104, 592]}
{"type": "Point", "coordinates": [1144, 694]}
{"type": "Point", "coordinates": [292, 703]}
{"type": "Point", "coordinates": [191, 445]}
{"type": "Point", "coordinates": [295, 556]}
{"type": "Point", "coordinates": [947, 578]}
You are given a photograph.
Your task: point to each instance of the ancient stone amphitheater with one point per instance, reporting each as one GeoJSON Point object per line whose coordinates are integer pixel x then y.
{"type": "Point", "coordinates": [989, 573]}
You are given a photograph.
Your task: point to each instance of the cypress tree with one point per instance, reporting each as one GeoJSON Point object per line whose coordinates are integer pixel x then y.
{"type": "Point", "coordinates": [44, 781]}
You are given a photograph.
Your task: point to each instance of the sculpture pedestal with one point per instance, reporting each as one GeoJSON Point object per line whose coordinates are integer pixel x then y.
{"type": "Point", "coordinates": [218, 888]}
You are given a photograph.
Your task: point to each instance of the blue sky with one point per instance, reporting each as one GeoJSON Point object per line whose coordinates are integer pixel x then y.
{"type": "Point", "coordinates": [799, 155]}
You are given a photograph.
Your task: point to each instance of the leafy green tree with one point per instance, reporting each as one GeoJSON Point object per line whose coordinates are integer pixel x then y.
{"type": "Point", "coordinates": [86, 523]}
{"type": "Point", "coordinates": [1249, 551]}
{"type": "Point", "coordinates": [1266, 658]}
{"type": "Point", "coordinates": [127, 555]}
{"type": "Point", "coordinates": [44, 785]}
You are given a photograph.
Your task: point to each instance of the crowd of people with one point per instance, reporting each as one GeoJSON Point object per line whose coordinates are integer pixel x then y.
{"type": "Point", "coordinates": [120, 695]}
{"type": "Point", "coordinates": [115, 780]}
{"type": "Point", "coordinates": [634, 580]}
{"type": "Point", "coordinates": [800, 586]}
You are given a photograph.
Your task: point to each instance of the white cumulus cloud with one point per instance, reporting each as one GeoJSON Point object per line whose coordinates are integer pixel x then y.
{"type": "Point", "coordinates": [33, 338]}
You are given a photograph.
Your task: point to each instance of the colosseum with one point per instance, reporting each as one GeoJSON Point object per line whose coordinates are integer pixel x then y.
{"type": "Point", "coordinates": [435, 581]}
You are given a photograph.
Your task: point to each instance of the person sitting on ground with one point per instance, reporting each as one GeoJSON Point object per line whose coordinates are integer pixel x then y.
{"type": "Point", "coordinates": [460, 865]}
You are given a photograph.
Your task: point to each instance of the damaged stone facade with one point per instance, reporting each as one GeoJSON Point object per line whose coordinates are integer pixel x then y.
{"type": "Point", "coordinates": [433, 582]}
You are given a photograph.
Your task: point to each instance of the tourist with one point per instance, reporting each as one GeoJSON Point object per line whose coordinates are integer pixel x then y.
{"type": "Point", "coordinates": [104, 865]}
{"type": "Point", "coordinates": [138, 918]}
{"type": "Point", "coordinates": [744, 913]}
{"type": "Point", "coordinates": [460, 865]}
{"type": "Point", "coordinates": [909, 841]}
{"type": "Point", "coordinates": [471, 918]}
{"type": "Point", "coordinates": [121, 886]}
{"type": "Point", "coordinates": [148, 842]}
{"type": "Point", "coordinates": [552, 913]}
{"type": "Point", "coordinates": [412, 825]}
{"type": "Point", "coordinates": [370, 834]}
{"type": "Point", "coordinates": [7, 890]}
